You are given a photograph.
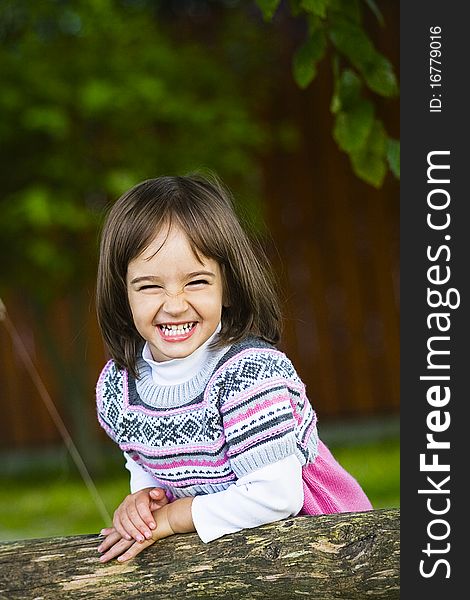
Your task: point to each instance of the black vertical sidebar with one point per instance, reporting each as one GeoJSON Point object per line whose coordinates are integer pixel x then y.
{"type": "Point", "coordinates": [435, 335]}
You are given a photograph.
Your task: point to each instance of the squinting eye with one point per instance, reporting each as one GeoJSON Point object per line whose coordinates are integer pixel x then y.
{"type": "Point", "coordinates": [150, 287]}
{"type": "Point", "coordinates": [198, 282]}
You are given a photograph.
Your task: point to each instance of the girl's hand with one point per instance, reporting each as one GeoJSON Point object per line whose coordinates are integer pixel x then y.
{"type": "Point", "coordinates": [115, 546]}
{"type": "Point", "coordinates": [133, 519]}
{"type": "Point", "coordinates": [170, 518]}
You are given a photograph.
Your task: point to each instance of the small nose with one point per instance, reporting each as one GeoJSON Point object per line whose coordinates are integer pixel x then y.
{"type": "Point", "coordinates": [175, 304]}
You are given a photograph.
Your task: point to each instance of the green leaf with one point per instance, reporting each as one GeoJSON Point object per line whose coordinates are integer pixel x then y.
{"type": "Point", "coordinates": [352, 41]}
{"type": "Point", "coordinates": [377, 141]}
{"type": "Point", "coordinates": [380, 77]}
{"type": "Point", "coordinates": [393, 156]}
{"type": "Point", "coordinates": [369, 162]}
{"type": "Point", "coordinates": [371, 169]}
{"type": "Point", "coordinates": [306, 58]}
{"type": "Point", "coordinates": [352, 128]}
{"type": "Point", "coordinates": [316, 7]}
{"type": "Point", "coordinates": [268, 8]}
{"type": "Point", "coordinates": [347, 91]}
{"type": "Point", "coordinates": [357, 132]}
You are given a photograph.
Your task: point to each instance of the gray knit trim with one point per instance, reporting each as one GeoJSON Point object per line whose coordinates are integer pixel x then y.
{"type": "Point", "coordinates": [270, 452]}
{"type": "Point", "coordinates": [173, 396]}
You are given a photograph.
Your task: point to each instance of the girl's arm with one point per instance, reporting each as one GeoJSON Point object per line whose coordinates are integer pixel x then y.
{"type": "Point", "coordinates": [264, 496]}
{"type": "Point", "coordinates": [269, 494]}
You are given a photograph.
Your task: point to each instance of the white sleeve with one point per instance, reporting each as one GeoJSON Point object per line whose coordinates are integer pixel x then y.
{"type": "Point", "coordinates": [263, 496]}
{"type": "Point", "coordinates": [140, 479]}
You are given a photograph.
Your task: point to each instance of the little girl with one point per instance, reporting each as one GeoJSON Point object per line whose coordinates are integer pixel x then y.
{"type": "Point", "coordinates": [213, 420]}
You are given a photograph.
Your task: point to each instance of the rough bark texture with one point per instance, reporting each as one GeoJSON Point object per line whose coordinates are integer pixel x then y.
{"type": "Point", "coordinates": [344, 556]}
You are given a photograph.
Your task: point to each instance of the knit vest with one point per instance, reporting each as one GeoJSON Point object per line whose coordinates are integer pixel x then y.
{"type": "Point", "coordinates": [245, 409]}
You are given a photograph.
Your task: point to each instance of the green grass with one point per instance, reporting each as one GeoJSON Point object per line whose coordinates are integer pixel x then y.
{"type": "Point", "coordinates": [55, 507]}
{"type": "Point", "coordinates": [377, 468]}
{"type": "Point", "coordinates": [60, 504]}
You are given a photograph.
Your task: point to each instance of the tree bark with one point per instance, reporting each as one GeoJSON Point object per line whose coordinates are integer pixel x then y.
{"type": "Point", "coordinates": [342, 556]}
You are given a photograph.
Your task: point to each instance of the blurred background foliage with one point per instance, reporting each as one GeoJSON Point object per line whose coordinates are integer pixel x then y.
{"type": "Point", "coordinates": [97, 95]}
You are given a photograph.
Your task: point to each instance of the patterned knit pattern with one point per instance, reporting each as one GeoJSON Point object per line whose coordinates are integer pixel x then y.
{"type": "Point", "coordinates": [245, 410]}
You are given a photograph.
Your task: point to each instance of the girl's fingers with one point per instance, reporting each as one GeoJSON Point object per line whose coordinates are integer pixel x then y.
{"type": "Point", "coordinates": [157, 499]}
{"type": "Point", "coordinates": [120, 528]}
{"type": "Point", "coordinates": [158, 494]}
{"type": "Point", "coordinates": [107, 530]}
{"type": "Point", "coordinates": [135, 527]}
{"type": "Point", "coordinates": [109, 541]}
{"type": "Point", "coordinates": [133, 519]}
{"type": "Point", "coordinates": [134, 550]}
{"type": "Point", "coordinates": [145, 515]}
{"type": "Point", "coordinates": [117, 549]}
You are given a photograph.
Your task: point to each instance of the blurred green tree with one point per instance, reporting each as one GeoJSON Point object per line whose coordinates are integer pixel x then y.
{"type": "Point", "coordinates": [97, 95]}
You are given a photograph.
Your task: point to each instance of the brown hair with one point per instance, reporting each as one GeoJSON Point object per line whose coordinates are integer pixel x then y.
{"type": "Point", "coordinates": [202, 207]}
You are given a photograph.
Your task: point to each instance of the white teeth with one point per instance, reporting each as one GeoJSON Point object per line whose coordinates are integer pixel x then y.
{"type": "Point", "coordinates": [176, 329]}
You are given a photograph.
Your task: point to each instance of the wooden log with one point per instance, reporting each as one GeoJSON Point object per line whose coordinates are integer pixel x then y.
{"type": "Point", "coordinates": [341, 556]}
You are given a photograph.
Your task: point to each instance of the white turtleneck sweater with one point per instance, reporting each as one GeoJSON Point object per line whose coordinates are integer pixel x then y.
{"type": "Point", "coordinates": [269, 494]}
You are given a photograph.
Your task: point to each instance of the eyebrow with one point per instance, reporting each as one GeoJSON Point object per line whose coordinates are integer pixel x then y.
{"type": "Point", "coordinates": [188, 276]}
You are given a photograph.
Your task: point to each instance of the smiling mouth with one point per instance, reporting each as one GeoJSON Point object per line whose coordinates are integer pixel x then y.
{"type": "Point", "coordinates": [178, 331]}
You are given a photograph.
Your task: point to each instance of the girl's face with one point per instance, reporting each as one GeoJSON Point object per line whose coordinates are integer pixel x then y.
{"type": "Point", "coordinates": [176, 300]}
